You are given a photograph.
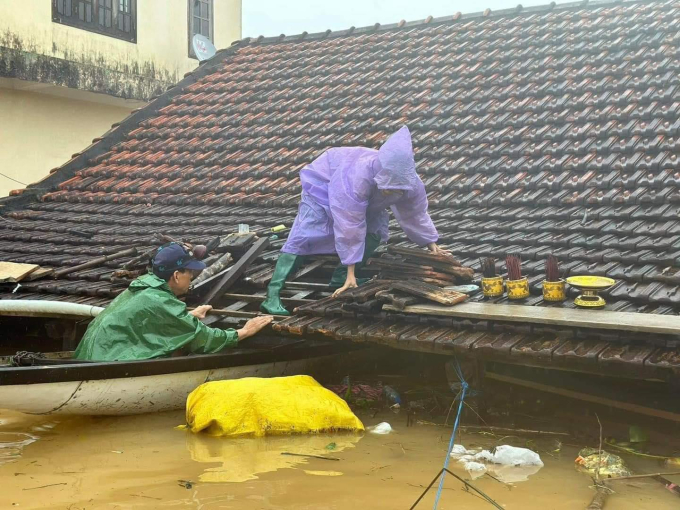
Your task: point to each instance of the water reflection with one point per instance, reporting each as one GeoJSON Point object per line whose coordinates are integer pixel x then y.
{"type": "Point", "coordinates": [11, 445]}
{"type": "Point", "coordinates": [507, 474]}
{"type": "Point", "coordinates": [243, 459]}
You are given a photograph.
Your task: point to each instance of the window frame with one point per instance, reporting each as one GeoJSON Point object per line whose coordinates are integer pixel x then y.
{"type": "Point", "coordinates": [190, 24]}
{"type": "Point", "coordinates": [93, 26]}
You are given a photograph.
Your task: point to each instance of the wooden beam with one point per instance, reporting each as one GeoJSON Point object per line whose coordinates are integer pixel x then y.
{"type": "Point", "coordinates": [306, 286]}
{"type": "Point", "coordinates": [237, 270]}
{"type": "Point", "coordinates": [94, 262]}
{"type": "Point", "coordinates": [234, 313]}
{"type": "Point", "coordinates": [218, 314]}
{"type": "Point", "coordinates": [307, 269]}
{"type": "Point", "coordinates": [626, 406]}
{"type": "Point", "coordinates": [575, 318]}
{"type": "Point", "coordinates": [257, 298]}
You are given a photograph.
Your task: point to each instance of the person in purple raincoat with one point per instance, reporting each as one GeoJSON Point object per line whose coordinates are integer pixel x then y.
{"type": "Point", "coordinates": [345, 196]}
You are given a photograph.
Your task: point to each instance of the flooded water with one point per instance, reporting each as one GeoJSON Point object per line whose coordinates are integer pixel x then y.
{"type": "Point", "coordinates": [144, 462]}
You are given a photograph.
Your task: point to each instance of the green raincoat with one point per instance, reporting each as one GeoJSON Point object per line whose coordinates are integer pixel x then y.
{"type": "Point", "coordinates": [148, 321]}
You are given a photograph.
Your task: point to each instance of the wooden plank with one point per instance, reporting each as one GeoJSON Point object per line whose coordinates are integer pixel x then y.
{"type": "Point", "coordinates": [259, 297]}
{"type": "Point", "coordinates": [41, 272]}
{"type": "Point", "coordinates": [240, 305]}
{"type": "Point", "coordinates": [588, 397]}
{"type": "Point", "coordinates": [12, 272]}
{"type": "Point", "coordinates": [220, 314]}
{"type": "Point", "coordinates": [306, 286]}
{"type": "Point", "coordinates": [575, 318]}
{"type": "Point", "coordinates": [429, 292]}
{"type": "Point", "coordinates": [305, 270]}
{"type": "Point", "coordinates": [237, 270]}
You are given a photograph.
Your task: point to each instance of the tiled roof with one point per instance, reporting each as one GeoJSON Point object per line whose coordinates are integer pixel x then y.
{"type": "Point", "coordinates": [590, 351]}
{"type": "Point", "coordinates": [542, 130]}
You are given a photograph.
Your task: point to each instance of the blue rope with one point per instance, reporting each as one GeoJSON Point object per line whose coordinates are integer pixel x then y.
{"type": "Point", "coordinates": [464, 386]}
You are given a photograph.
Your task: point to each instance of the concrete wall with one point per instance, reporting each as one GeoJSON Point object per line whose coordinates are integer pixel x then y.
{"type": "Point", "coordinates": [62, 86]}
{"type": "Point", "coordinates": [34, 48]}
{"type": "Point", "coordinates": [39, 132]}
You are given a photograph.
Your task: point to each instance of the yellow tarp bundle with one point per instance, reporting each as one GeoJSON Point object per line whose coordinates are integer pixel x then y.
{"type": "Point", "coordinates": [257, 407]}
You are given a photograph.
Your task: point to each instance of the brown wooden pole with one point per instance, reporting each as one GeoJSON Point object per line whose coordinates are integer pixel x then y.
{"type": "Point", "coordinates": [94, 262]}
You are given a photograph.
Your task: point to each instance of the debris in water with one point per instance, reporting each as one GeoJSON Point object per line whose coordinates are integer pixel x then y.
{"type": "Point", "coordinates": [474, 467]}
{"type": "Point", "coordinates": [610, 465]}
{"type": "Point", "coordinates": [187, 484]}
{"type": "Point", "coordinates": [380, 428]}
{"type": "Point", "coordinates": [508, 463]}
{"type": "Point", "coordinates": [323, 473]}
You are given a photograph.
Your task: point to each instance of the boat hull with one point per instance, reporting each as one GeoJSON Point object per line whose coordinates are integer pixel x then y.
{"type": "Point", "coordinates": [136, 395]}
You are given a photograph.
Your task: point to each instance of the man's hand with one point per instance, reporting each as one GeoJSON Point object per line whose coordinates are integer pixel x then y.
{"type": "Point", "coordinates": [200, 311]}
{"type": "Point", "coordinates": [437, 250]}
{"type": "Point", "coordinates": [253, 326]}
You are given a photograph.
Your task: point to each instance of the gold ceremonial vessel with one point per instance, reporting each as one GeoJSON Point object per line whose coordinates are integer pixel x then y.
{"type": "Point", "coordinates": [554, 291]}
{"type": "Point", "coordinates": [589, 287]}
{"type": "Point", "coordinates": [518, 289]}
{"type": "Point", "coordinates": [492, 287]}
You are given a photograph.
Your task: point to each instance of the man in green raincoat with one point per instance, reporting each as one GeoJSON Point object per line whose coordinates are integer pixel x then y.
{"type": "Point", "coordinates": [149, 321]}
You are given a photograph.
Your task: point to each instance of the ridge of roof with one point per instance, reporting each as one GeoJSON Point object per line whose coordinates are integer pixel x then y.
{"type": "Point", "coordinates": [519, 9]}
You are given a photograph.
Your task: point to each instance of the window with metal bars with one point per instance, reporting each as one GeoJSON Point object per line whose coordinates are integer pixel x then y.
{"type": "Point", "coordinates": [200, 14]}
{"type": "Point", "coordinates": [115, 18]}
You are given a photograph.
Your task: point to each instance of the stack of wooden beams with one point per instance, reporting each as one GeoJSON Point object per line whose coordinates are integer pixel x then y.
{"type": "Point", "coordinates": [437, 269]}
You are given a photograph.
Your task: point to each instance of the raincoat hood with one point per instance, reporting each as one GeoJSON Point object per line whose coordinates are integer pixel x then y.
{"type": "Point", "coordinates": [149, 281]}
{"type": "Point", "coordinates": [398, 167]}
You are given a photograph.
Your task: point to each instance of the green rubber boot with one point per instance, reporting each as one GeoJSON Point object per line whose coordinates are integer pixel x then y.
{"type": "Point", "coordinates": [286, 264]}
{"type": "Point", "coordinates": [340, 272]}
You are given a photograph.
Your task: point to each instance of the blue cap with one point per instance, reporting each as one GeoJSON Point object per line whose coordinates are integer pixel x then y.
{"type": "Point", "coordinates": [172, 257]}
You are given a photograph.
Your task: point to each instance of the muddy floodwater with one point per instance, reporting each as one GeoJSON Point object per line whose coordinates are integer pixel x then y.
{"type": "Point", "coordinates": [144, 462]}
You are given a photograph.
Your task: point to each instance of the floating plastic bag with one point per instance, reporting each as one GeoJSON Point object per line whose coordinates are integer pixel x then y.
{"type": "Point", "coordinates": [257, 407]}
{"type": "Point", "coordinates": [513, 456]}
{"type": "Point", "coordinates": [381, 428]}
{"type": "Point", "coordinates": [507, 463]}
{"type": "Point", "coordinates": [476, 469]}
{"type": "Point", "coordinates": [459, 450]}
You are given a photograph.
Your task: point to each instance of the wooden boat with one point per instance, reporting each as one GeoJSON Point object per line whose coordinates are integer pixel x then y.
{"type": "Point", "coordinates": [65, 386]}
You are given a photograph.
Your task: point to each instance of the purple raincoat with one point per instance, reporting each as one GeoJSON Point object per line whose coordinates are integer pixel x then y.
{"type": "Point", "coordinates": [341, 200]}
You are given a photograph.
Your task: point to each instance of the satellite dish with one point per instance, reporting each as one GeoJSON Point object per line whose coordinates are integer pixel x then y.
{"type": "Point", "coordinates": [203, 48]}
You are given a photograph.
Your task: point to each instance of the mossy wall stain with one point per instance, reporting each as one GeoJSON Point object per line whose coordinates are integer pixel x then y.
{"type": "Point", "coordinates": [132, 79]}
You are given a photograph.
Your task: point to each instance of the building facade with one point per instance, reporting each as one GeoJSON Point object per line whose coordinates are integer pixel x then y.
{"type": "Point", "coordinates": [71, 68]}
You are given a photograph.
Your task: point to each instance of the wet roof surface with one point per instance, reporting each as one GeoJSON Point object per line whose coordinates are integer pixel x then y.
{"type": "Point", "coordinates": [546, 131]}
